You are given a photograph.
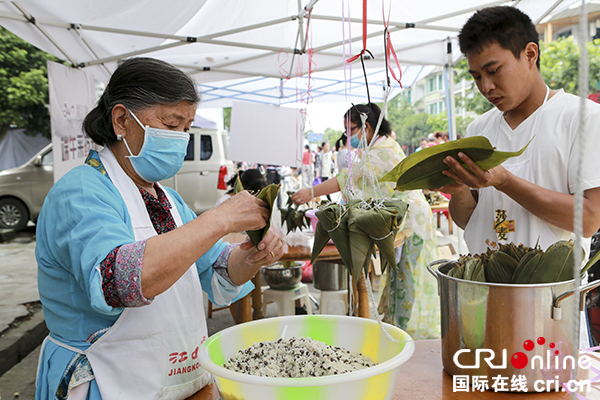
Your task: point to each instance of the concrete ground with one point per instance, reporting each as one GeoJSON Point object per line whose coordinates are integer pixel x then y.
{"type": "Point", "coordinates": [22, 326]}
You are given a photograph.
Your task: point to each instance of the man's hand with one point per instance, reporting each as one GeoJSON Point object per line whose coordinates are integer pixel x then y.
{"type": "Point", "coordinates": [472, 176]}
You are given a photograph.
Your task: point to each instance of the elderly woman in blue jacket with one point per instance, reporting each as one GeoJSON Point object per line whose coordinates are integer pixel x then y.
{"type": "Point", "coordinates": [123, 262]}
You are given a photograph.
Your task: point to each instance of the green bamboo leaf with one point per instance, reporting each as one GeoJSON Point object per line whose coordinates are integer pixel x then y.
{"type": "Point", "coordinates": [470, 266]}
{"type": "Point", "coordinates": [516, 278]}
{"type": "Point", "coordinates": [423, 169]}
{"type": "Point", "coordinates": [268, 194]}
{"type": "Point", "coordinates": [320, 241]}
{"type": "Point", "coordinates": [382, 225]}
{"type": "Point", "coordinates": [238, 187]}
{"type": "Point", "coordinates": [591, 262]}
{"type": "Point", "coordinates": [333, 219]}
{"type": "Point", "coordinates": [556, 265]}
{"type": "Point", "coordinates": [524, 273]}
{"type": "Point", "coordinates": [361, 244]}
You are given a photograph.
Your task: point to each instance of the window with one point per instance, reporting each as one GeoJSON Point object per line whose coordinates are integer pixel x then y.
{"type": "Point", "coordinates": [225, 140]}
{"type": "Point", "coordinates": [430, 85]}
{"type": "Point", "coordinates": [434, 84]}
{"type": "Point", "coordinates": [47, 158]}
{"type": "Point", "coordinates": [206, 148]}
{"type": "Point", "coordinates": [189, 155]}
{"type": "Point", "coordinates": [435, 108]}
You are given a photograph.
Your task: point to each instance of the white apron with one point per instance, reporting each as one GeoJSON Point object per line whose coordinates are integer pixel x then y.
{"type": "Point", "coordinates": [499, 219]}
{"type": "Point", "coordinates": [151, 352]}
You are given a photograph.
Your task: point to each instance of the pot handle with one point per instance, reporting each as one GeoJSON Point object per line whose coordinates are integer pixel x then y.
{"type": "Point", "coordinates": [557, 309]}
{"type": "Point", "coordinates": [433, 272]}
{"type": "Point", "coordinates": [434, 263]}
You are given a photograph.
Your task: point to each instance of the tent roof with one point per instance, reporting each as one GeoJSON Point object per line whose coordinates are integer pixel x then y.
{"type": "Point", "coordinates": [227, 40]}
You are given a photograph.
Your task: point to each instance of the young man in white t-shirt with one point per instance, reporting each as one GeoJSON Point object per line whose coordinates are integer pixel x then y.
{"type": "Point", "coordinates": [530, 196]}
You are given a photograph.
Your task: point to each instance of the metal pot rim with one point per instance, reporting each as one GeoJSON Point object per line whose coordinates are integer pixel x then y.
{"type": "Point", "coordinates": [443, 275]}
{"type": "Point", "coordinates": [279, 266]}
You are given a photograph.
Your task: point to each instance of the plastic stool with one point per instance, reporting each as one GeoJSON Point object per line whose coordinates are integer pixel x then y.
{"type": "Point", "coordinates": [332, 296]}
{"type": "Point", "coordinates": [285, 299]}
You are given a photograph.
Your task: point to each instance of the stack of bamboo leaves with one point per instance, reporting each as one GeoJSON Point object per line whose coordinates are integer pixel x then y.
{"type": "Point", "coordinates": [268, 194]}
{"type": "Point", "coordinates": [519, 264]}
{"type": "Point", "coordinates": [423, 169]}
{"type": "Point", "coordinates": [356, 228]}
{"type": "Point", "coordinates": [292, 216]}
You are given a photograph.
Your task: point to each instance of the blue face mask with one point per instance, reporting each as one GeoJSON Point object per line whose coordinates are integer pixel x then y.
{"type": "Point", "coordinates": [355, 142]}
{"type": "Point", "coordinates": [162, 153]}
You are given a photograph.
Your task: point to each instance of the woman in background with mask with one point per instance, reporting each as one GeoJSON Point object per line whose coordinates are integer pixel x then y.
{"type": "Point", "coordinates": [409, 299]}
{"type": "Point", "coordinates": [122, 261]}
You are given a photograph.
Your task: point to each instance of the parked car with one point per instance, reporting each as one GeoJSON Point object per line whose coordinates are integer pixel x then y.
{"type": "Point", "coordinates": [201, 181]}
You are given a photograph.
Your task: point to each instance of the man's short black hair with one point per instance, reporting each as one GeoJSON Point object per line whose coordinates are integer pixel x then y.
{"type": "Point", "coordinates": [508, 26]}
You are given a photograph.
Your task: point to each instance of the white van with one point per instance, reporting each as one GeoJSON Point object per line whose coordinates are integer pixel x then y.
{"type": "Point", "coordinates": [201, 181]}
{"type": "Point", "coordinates": [203, 178]}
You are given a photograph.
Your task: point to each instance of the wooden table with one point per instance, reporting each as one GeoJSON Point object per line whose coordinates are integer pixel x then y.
{"type": "Point", "coordinates": [251, 305]}
{"type": "Point", "coordinates": [440, 209]}
{"type": "Point", "coordinates": [423, 377]}
{"type": "Point", "coordinates": [330, 253]}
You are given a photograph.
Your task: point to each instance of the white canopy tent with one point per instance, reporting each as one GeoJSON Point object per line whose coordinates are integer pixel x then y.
{"type": "Point", "coordinates": [248, 50]}
{"type": "Point", "coordinates": [260, 45]}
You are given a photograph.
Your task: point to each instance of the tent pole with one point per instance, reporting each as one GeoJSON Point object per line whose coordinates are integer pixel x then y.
{"type": "Point", "coordinates": [84, 41]}
{"type": "Point", "coordinates": [301, 26]}
{"type": "Point", "coordinates": [451, 111]}
{"type": "Point", "coordinates": [31, 19]}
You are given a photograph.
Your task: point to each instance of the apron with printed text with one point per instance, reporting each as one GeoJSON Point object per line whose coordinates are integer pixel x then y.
{"type": "Point", "coordinates": [499, 219]}
{"type": "Point", "coordinates": [151, 352]}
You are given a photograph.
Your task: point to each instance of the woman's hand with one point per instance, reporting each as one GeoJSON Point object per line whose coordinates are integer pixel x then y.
{"type": "Point", "coordinates": [243, 212]}
{"type": "Point", "coordinates": [245, 260]}
{"type": "Point", "coordinates": [302, 196]}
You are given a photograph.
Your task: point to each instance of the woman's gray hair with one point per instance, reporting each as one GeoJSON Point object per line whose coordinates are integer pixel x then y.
{"type": "Point", "coordinates": [138, 83]}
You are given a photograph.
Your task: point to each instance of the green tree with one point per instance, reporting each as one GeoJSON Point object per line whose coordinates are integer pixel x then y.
{"type": "Point", "coordinates": [559, 64]}
{"type": "Point", "coordinates": [438, 122]}
{"type": "Point", "coordinates": [227, 118]}
{"type": "Point", "coordinates": [475, 101]}
{"type": "Point", "coordinates": [332, 135]}
{"type": "Point", "coordinates": [24, 80]}
{"type": "Point", "coordinates": [409, 126]}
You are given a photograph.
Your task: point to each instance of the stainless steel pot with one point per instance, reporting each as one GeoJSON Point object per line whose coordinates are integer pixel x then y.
{"type": "Point", "coordinates": [279, 277]}
{"type": "Point", "coordinates": [330, 276]}
{"type": "Point", "coordinates": [490, 320]}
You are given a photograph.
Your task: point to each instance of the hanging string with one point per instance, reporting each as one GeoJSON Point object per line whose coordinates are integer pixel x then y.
{"type": "Point", "coordinates": [389, 48]}
{"type": "Point", "coordinates": [364, 36]}
{"type": "Point", "coordinates": [363, 168]}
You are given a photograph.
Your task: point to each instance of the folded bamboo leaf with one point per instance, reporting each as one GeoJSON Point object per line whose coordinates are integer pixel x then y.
{"type": "Point", "coordinates": [513, 250]}
{"type": "Point", "coordinates": [238, 187]}
{"type": "Point", "coordinates": [508, 262]}
{"type": "Point", "coordinates": [500, 267]}
{"type": "Point", "coordinates": [522, 263]}
{"type": "Point", "coordinates": [556, 265]}
{"type": "Point", "coordinates": [268, 194]}
{"type": "Point", "coordinates": [479, 272]}
{"type": "Point", "coordinates": [590, 262]}
{"type": "Point", "coordinates": [382, 225]}
{"type": "Point", "coordinates": [470, 268]}
{"type": "Point", "coordinates": [333, 218]}
{"type": "Point", "coordinates": [423, 169]}
{"type": "Point", "coordinates": [527, 267]}
{"type": "Point", "coordinates": [320, 241]}
{"type": "Point", "coordinates": [361, 244]}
